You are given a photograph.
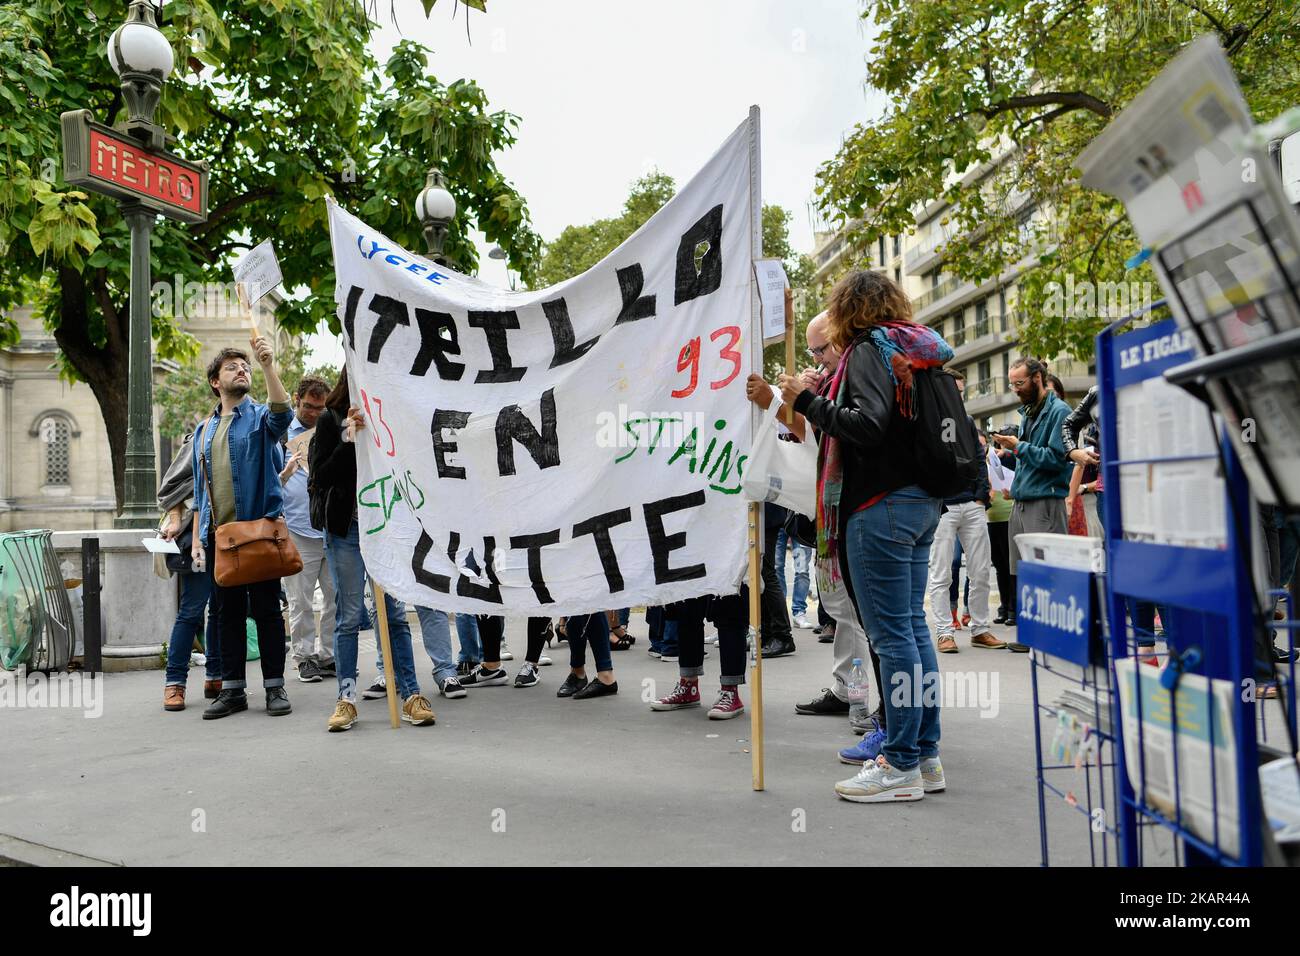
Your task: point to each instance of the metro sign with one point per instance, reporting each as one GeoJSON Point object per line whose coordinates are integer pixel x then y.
{"type": "Point", "coordinates": [107, 161]}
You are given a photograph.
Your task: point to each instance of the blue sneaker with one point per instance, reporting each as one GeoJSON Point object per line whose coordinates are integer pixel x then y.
{"type": "Point", "coordinates": [866, 750]}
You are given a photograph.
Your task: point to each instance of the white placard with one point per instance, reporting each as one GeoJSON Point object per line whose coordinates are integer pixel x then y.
{"type": "Point", "coordinates": [563, 450]}
{"type": "Point", "coordinates": [771, 293]}
{"type": "Point", "coordinates": [258, 271]}
{"type": "Point", "coordinates": [160, 546]}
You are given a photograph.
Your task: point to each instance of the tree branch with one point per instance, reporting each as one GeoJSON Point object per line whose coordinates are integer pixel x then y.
{"type": "Point", "coordinates": [1214, 21]}
{"type": "Point", "coordinates": [1100, 242]}
{"type": "Point", "coordinates": [1045, 118]}
{"type": "Point", "coordinates": [1074, 99]}
{"type": "Point", "coordinates": [230, 205]}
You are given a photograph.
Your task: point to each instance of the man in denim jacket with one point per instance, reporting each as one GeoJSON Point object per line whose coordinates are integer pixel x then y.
{"type": "Point", "coordinates": [239, 445]}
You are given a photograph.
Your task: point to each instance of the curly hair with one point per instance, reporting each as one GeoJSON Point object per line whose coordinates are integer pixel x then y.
{"type": "Point", "coordinates": [863, 299]}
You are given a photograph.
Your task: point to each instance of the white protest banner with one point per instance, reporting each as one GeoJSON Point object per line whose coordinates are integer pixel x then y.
{"type": "Point", "coordinates": [258, 270]}
{"type": "Point", "coordinates": [771, 290]}
{"type": "Point", "coordinates": [565, 450]}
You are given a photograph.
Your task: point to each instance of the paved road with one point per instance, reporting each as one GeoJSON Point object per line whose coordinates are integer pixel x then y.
{"type": "Point", "coordinates": [516, 776]}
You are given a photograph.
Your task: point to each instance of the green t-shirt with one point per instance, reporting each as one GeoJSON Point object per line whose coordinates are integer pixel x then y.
{"type": "Point", "coordinates": [1000, 509]}
{"type": "Point", "coordinates": [223, 484]}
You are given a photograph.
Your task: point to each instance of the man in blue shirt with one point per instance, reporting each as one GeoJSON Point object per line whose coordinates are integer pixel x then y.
{"type": "Point", "coordinates": [236, 451]}
{"type": "Point", "coordinates": [1042, 471]}
{"type": "Point", "coordinates": [308, 403]}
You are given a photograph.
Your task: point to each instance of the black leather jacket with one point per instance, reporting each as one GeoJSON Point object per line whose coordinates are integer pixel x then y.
{"type": "Point", "coordinates": [1084, 414]}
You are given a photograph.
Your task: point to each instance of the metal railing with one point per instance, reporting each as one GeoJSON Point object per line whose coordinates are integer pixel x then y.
{"type": "Point", "coordinates": [946, 287]}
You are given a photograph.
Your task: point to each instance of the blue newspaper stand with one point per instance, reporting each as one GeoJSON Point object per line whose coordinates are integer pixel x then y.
{"type": "Point", "coordinates": [1204, 596]}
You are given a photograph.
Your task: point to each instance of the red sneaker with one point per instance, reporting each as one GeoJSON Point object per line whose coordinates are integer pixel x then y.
{"type": "Point", "coordinates": [965, 620]}
{"type": "Point", "coordinates": [1151, 661]}
{"type": "Point", "coordinates": [685, 694]}
{"type": "Point", "coordinates": [956, 623]}
{"type": "Point", "coordinates": [727, 705]}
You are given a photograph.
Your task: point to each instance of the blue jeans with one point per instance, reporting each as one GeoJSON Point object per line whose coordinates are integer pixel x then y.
{"type": "Point", "coordinates": [887, 551]}
{"type": "Point", "coordinates": [349, 573]}
{"type": "Point", "coordinates": [435, 631]}
{"type": "Point", "coordinates": [663, 633]}
{"type": "Point", "coordinates": [471, 648]}
{"type": "Point", "coordinates": [593, 629]}
{"type": "Point", "coordinates": [196, 590]}
{"type": "Point", "coordinates": [801, 556]}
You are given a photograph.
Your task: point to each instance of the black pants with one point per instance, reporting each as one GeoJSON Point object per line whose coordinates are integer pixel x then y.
{"type": "Point", "coordinates": [261, 602]}
{"type": "Point", "coordinates": [536, 638]}
{"type": "Point", "coordinates": [999, 543]}
{"type": "Point", "coordinates": [775, 615]}
{"type": "Point", "coordinates": [730, 614]}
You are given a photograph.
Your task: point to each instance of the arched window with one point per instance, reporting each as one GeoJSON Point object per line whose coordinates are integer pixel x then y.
{"type": "Point", "coordinates": [56, 438]}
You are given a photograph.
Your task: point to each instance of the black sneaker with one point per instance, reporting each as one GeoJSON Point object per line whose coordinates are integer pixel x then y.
{"type": "Point", "coordinates": [527, 675]}
{"type": "Point", "coordinates": [826, 635]}
{"type": "Point", "coordinates": [277, 702]}
{"type": "Point", "coordinates": [1015, 647]}
{"type": "Point", "coordinates": [326, 668]}
{"type": "Point", "coordinates": [466, 667]}
{"type": "Point", "coordinates": [376, 691]}
{"type": "Point", "coordinates": [482, 677]}
{"type": "Point", "coordinates": [309, 672]}
{"type": "Point", "coordinates": [826, 704]}
{"type": "Point", "coordinates": [596, 689]}
{"type": "Point", "coordinates": [451, 689]}
{"type": "Point", "coordinates": [778, 648]}
{"type": "Point", "coordinates": [572, 684]}
{"type": "Point", "coordinates": [228, 702]}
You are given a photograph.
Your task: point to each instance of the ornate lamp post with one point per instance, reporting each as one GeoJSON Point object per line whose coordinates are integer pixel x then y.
{"type": "Point", "coordinates": [436, 208]}
{"type": "Point", "coordinates": [142, 57]}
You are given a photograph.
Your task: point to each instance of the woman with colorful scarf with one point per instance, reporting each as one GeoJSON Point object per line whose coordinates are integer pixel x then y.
{"type": "Point", "coordinates": [874, 521]}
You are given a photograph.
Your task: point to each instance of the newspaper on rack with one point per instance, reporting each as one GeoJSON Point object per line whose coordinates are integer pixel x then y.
{"type": "Point", "coordinates": [1207, 749]}
{"type": "Point", "coordinates": [1205, 197]}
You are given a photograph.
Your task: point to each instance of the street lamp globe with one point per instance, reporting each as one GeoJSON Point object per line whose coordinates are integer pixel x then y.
{"type": "Point", "coordinates": [435, 207]}
{"type": "Point", "coordinates": [434, 202]}
{"type": "Point", "coordinates": [142, 57]}
{"type": "Point", "coordinates": [138, 46]}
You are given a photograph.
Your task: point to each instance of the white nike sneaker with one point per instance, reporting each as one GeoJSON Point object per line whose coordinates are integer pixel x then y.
{"type": "Point", "coordinates": [881, 783]}
{"type": "Point", "coordinates": [932, 775]}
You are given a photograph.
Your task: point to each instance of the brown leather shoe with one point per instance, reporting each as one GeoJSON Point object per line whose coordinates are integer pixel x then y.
{"type": "Point", "coordinates": [173, 697]}
{"type": "Point", "coordinates": [987, 640]}
{"type": "Point", "coordinates": [947, 644]}
{"type": "Point", "coordinates": [211, 688]}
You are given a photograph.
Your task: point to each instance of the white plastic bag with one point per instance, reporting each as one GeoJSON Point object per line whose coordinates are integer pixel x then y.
{"type": "Point", "coordinates": [783, 472]}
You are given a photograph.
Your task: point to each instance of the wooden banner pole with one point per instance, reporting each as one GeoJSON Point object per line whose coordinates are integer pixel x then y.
{"type": "Point", "coordinates": [756, 631]}
{"type": "Point", "coordinates": [386, 646]}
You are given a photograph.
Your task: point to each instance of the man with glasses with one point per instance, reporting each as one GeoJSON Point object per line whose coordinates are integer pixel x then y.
{"type": "Point", "coordinates": [308, 403]}
{"type": "Point", "coordinates": [237, 453]}
{"type": "Point", "coordinates": [1042, 470]}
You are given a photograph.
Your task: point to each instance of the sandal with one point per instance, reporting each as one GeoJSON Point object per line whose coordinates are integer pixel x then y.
{"type": "Point", "coordinates": [620, 642]}
{"type": "Point", "coordinates": [561, 632]}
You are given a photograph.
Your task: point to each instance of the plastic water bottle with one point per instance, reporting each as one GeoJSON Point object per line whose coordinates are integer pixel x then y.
{"type": "Point", "coordinates": [857, 692]}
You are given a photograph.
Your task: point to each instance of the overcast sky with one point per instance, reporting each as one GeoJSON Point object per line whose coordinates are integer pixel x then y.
{"type": "Point", "coordinates": [607, 91]}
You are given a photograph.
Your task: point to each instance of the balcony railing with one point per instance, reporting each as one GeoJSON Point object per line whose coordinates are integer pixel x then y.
{"type": "Point", "coordinates": [982, 326]}
{"type": "Point", "coordinates": [946, 287]}
{"type": "Point", "coordinates": [984, 386]}
{"type": "Point", "coordinates": [958, 338]}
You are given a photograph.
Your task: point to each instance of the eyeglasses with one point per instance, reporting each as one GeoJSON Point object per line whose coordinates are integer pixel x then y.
{"type": "Point", "coordinates": [817, 352]}
{"type": "Point", "coordinates": [311, 406]}
{"type": "Point", "coordinates": [1017, 385]}
{"type": "Point", "coordinates": [235, 367]}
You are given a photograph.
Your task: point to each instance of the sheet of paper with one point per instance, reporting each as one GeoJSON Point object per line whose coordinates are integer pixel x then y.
{"type": "Point", "coordinates": [160, 546]}
{"type": "Point", "coordinates": [1000, 477]}
{"type": "Point", "coordinates": [771, 293]}
{"type": "Point", "coordinates": [298, 444]}
{"type": "Point", "coordinates": [258, 270]}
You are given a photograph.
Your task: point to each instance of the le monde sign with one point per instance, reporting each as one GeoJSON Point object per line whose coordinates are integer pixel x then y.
{"type": "Point", "coordinates": [107, 161]}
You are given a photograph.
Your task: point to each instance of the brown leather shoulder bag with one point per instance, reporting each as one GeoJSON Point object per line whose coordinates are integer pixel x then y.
{"type": "Point", "coordinates": [248, 552]}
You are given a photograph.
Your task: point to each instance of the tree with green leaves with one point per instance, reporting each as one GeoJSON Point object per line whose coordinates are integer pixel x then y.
{"type": "Point", "coordinates": [578, 248]}
{"type": "Point", "coordinates": [967, 80]}
{"type": "Point", "coordinates": [287, 104]}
